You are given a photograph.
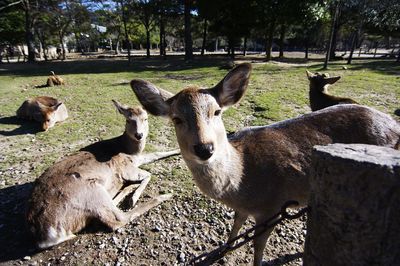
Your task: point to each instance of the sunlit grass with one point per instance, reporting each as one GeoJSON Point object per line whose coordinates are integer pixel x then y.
{"type": "Point", "coordinates": [277, 91]}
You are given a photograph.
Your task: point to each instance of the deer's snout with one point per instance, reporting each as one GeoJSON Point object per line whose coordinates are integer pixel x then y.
{"type": "Point", "coordinates": [138, 136]}
{"type": "Point", "coordinates": [204, 151]}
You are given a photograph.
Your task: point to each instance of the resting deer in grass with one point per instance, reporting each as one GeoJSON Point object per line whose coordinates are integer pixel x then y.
{"type": "Point", "coordinates": [54, 80]}
{"type": "Point", "coordinates": [43, 109]}
{"type": "Point", "coordinates": [256, 170]}
{"type": "Point", "coordinates": [319, 95]}
{"type": "Point", "coordinates": [86, 186]}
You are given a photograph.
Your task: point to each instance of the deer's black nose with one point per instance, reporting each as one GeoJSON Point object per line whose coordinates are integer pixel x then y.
{"type": "Point", "coordinates": [204, 151]}
{"type": "Point", "coordinates": [138, 136]}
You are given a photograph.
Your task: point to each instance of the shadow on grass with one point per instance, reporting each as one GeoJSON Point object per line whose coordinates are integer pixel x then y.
{"type": "Point", "coordinates": [15, 240]}
{"type": "Point", "coordinates": [383, 66]}
{"type": "Point", "coordinates": [111, 65]}
{"type": "Point", "coordinates": [26, 127]}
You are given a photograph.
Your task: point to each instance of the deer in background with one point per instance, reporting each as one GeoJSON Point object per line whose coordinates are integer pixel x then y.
{"type": "Point", "coordinates": [43, 109]}
{"type": "Point", "coordinates": [256, 170]}
{"type": "Point", "coordinates": [319, 95]}
{"type": "Point", "coordinates": [54, 80]}
{"type": "Point", "coordinates": [88, 185]}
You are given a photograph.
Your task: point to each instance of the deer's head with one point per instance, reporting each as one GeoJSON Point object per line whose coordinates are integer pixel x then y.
{"type": "Point", "coordinates": [46, 115]}
{"type": "Point", "coordinates": [136, 126]}
{"type": "Point", "coordinates": [319, 81]}
{"type": "Point", "coordinates": [195, 112]}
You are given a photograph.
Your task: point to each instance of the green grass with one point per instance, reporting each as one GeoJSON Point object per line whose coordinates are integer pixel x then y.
{"type": "Point", "coordinates": [277, 91]}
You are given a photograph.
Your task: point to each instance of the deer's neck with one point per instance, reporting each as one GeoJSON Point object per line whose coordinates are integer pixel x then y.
{"type": "Point", "coordinates": [132, 146]}
{"type": "Point", "coordinates": [221, 177]}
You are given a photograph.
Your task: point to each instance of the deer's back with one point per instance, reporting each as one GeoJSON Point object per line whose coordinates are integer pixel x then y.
{"type": "Point", "coordinates": [65, 195]}
{"type": "Point", "coordinates": [30, 106]}
{"type": "Point", "coordinates": [277, 158]}
{"type": "Point", "coordinates": [320, 100]}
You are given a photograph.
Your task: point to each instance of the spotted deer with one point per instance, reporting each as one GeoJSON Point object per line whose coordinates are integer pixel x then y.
{"type": "Point", "coordinates": [319, 95]}
{"type": "Point", "coordinates": [256, 170]}
{"type": "Point", "coordinates": [88, 185]}
{"type": "Point", "coordinates": [43, 109]}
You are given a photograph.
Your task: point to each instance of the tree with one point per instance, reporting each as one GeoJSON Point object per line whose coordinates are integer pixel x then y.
{"type": "Point", "coordinates": [146, 12]}
{"type": "Point", "coordinates": [12, 30]}
{"type": "Point", "coordinates": [188, 5]}
{"type": "Point", "coordinates": [207, 11]}
{"type": "Point", "coordinates": [332, 34]}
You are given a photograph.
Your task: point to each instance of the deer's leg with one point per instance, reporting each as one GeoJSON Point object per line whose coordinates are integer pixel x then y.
{"type": "Point", "coordinates": [260, 242]}
{"type": "Point", "coordinates": [239, 220]}
{"type": "Point", "coordinates": [137, 211]}
{"type": "Point", "coordinates": [152, 157]}
{"type": "Point", "coordinates": [145, 178]}
{"type": "Point", "coordinates": [105, 210]}
{"type": "Point", "coordinates": [125, 192]}
{"type": "Point", "coordinates": [138, 175]}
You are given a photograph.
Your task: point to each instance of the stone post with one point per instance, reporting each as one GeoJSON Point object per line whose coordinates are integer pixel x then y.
{"type": "Point", "coordinates": [355, 206]}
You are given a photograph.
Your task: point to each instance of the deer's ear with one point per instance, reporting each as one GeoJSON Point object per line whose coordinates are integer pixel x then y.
{"type": "Point", "coordinates": [233, 86]}
{"type": "Point", "coordinates": [332, 79]}
{"type": "Point", "coordinates": [123, 110]}
{"type": "Point", "coordinates": [55, 107]}
{"type": "Point", "coordinates": [154, 100]}
{"type": "Point", "coordinates": [309, 74]}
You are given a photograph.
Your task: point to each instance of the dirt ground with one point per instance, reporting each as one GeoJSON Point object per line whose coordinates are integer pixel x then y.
{"type": "Point", "coordinates": [170, 234]}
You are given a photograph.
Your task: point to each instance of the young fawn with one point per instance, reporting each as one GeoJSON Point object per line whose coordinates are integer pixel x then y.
{"type": "Point", "coordinates": [43, 109]}
{"type": "Point", "coordinates": [84, 186]}
{"type": "Point", "coordinates": [319, 95]}
{"type": "Point", "coordinates": [256, 170]}
{"type": "Point", "coordinates": [54, 80]}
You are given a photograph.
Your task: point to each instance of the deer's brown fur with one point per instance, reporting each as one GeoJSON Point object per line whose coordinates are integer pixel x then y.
{"type": "Point", "coordinates": [319, 95]}
{"type": "Point", "coordinates": [54, 80]}
{"type": "Point", "coordinates": [43, 109]}
{"type": "Point", "coordinates": [89, 184]}
{"type": "Point", "coordinates": [256, 170]}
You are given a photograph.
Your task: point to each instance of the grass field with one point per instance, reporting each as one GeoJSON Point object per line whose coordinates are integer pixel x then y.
{"type": "Point", "coordinates": [277, 91]}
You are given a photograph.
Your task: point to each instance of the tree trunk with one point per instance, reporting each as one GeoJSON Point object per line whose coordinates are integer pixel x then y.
{"type": "Point", "coordinates": [164, 45]}
{"type": "Point", "coordinates": [61, 36]}
{"type": "Point", "coordinates": [232, 49]}
{"type": "Point", "coordinates": [162, 33]}
{"type": "Point", "coordinates": [281, 40]}
{"type": "Point", "coordinates": [353, 46]}
{"type": "Point", "coordinates": [331, 36]}
{"type": "Point", "coordinates": [188, 32]}
{"type": "Point", "coordinates": [306, 43]}
{"type": "Point", "coordinates": [398, 56]}
{"type": "Point", "coordinates": [245, 46]}
{"type": "Point", "coordinates": [203, 46]}
{"type": "Point", "coordinates": [29, 32]}
{"type": "Point", "coordinates": [147, 42]}
{"type": "Point", "coordinates": [124, 21]}
{"type": "Point", "coordinates": [354, 206]}
{"type": "Point", "coordinates": [270, 37]}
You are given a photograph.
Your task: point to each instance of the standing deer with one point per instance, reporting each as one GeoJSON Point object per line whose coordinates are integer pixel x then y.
{"type": "Point", "coordinates": [256, 170]}
{"type": "Point", "coordinates": [43, 109]}
{"type": "Point", "coordinates": [319, 95]}
{"type": "Point", "coordinates": [84, 187]}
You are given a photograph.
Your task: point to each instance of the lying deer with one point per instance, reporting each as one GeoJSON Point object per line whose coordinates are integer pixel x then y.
{"type": "Point", "coordinates": [43, 109]}
{"type": "Point", "coordinates": [256, 170]}
{"type": "Point", "coordinates": [319, 95]}
{"type": "Point", "coordinates": [54, 80]}
{"type": "Point", "coordinates": [84, 187]}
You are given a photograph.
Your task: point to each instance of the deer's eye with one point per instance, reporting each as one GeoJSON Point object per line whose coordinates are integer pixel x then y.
{"type": "Point", "coordinates": [217, 112]}
{"type": "Point", "coordinates": [176, 120]}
